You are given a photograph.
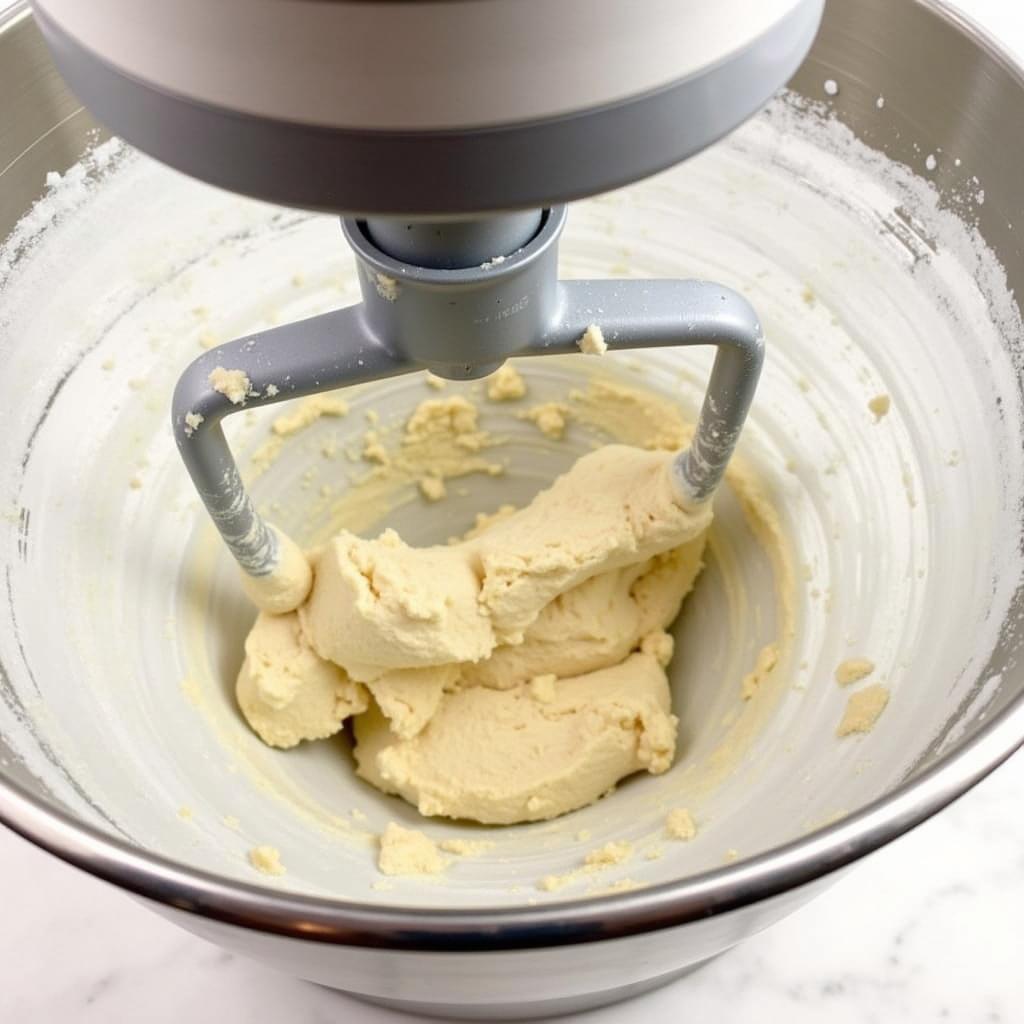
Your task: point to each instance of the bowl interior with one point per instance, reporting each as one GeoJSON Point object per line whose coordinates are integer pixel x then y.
{"type": "Point", "coordinates": [898, 538]}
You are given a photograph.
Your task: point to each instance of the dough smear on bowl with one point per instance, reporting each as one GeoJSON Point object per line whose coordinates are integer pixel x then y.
{"type": "Point", "coordinates": [513, 676]}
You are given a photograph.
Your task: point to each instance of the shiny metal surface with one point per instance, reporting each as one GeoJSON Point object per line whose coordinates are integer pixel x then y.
{"type": "Point", "coordinates": [502, 159]}
{"type": "Point", "coordinates": [942, 81]}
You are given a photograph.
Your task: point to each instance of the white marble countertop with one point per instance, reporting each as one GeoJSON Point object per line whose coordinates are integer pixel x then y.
{"type": "Point", "coordinates": [925, 930]}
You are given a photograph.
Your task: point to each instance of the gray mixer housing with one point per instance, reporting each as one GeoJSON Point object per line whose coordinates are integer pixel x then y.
{"type": "Point", "coordinates": [426, 107]}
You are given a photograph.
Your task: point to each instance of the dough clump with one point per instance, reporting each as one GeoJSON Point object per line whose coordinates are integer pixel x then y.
{"type": "Point", "coordinates": [511, 676]}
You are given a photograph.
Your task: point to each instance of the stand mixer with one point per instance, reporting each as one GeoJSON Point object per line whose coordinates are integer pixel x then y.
{"type": "Point", "coordinates": [449, 135]}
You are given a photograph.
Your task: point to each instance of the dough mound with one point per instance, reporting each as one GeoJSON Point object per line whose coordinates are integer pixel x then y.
{"type": "Point", "coordinates": [515, 675]}
{"type": "Point", "coordinates": [286, 691]}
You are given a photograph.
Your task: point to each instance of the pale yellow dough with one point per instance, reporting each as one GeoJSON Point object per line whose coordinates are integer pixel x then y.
{"type": "Point", "coordinates": [379, 604]}
{"type": "Point", "coordinates": [233, 384]}
{"type": "Point", "coordinates": [863, 709]}
{"type": "Point", "coordinates": [404, 851]}
{"type": "Point", "coordinates": [506, 384]}
{"type": "Point", "coordinates": [514, 675]}
{"type": "Point", "coordinates": [286, 691]}
{"type": "Point", "coordinates": [266, 860]}
{"type": "Point", "coordinates": [500, 756]}
{"type": "Point", "coordinates": [853, 670]}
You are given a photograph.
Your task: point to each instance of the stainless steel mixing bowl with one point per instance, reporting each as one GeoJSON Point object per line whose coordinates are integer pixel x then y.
{"type": "Point", "coordinates": [945, 84]}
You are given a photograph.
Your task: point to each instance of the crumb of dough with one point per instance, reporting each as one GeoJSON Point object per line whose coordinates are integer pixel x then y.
{"type": "Point", "coordinates": [107, 364]}
{"type": "Point", "coordinates": [433, 381]}
{"type": "Point", "coordinates": [266, 860]}
{"type": "Point", "coordinates": [679, 824]}
{"type": "Point", "coordinates": [405, 851]}
{"type": "Point", "coordinates": [592, 341]}
{"type": "Point", "coordinates": [550, 418]}
{"type": "Point", "coordinates": [135, 483]}
{"type": "Point", "coordinates": [808, 295]}
{"type": "Point", "coordinates": [853, 670]}
{"type": "Point", "coordinates": [432, 488]}
{"type": "Point", "coordinates": [207, 340]}
{"type": "Point", "coordinates": [655, 853]}
{"type": "Point", "coordinates": [185, 812]}
{"type": "Point", "coordinates": [609, 854]}
{"type": "Point", "coordinates": [583, 836]}
{"type": "Point", "coordinates": [506, 384]}
{"type": "Point", "coordinates": [863, 709]}
{"type": "Point", "coordinates": [731, 855]}
{"type": "Point", "coordinates": [373, 448]}
{"type": "Point", "coordinates": [542, 688]}
{"type": "Point", "coordinates": [767, 659]}
{"type": "Point", "coordinates": [231, 822]}
{"type": "Point", "coordinates": [453, 419]}
{"type": "Point", "coordinates": [466, 847]}
{"type": "Point", "coordinates": [382, 885]}
{"type": "Point", "coordinates": [552, 883]}
{"type": "Point", "coordinates": [233, 384]}
{"type": "Point", "coordinates": [192, 421]}
{"type": "Point", "coordinates": [604, 857]}
{"type": "Point", "coordinates": [879, 406]}
{"type": "Point", "coordinates": [622, 885]}
{"type": "Point", "coordinates": [387, 287]}
{"type": "Point", "coordinates": [308, 411]}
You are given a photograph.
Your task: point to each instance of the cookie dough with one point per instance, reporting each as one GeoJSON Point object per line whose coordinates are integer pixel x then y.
{"type": "Point", "coordinates": [286, 691]}
{"type": "Point", "coordinates": [404, 851]}
{"type": "Point", "coordinates": [506, 384]}
{"type": "Point", "coordinates": [233, 384]}
{"type": "Point", "coordinates": [863, 709]}
{"type": "Point", "coordinates": [592, 342]}
{"type": "Point", "coordinates": [853, 670]}
{"type": "Point", "coordinates": [512, 676]}
{"type": "Point", "coordinates": [551, 418]}
{"type": "Point", "coordinates": [266, 860]}
{"type": "Point", "coordinates": [679, 824]}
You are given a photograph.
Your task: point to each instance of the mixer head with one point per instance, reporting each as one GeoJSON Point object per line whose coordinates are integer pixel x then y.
{"type": "Point", "coordinates": [453, 129]}
{"type": "Point", "coordinates": [425, 107]}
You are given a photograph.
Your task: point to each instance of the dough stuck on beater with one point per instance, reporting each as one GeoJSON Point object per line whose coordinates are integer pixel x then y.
{"type": "Point", "coordinates": [284, 589]}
